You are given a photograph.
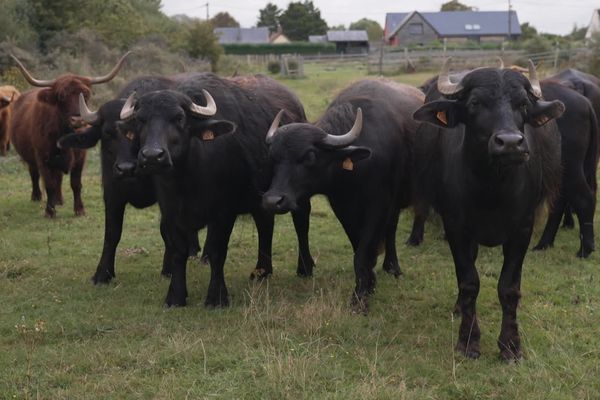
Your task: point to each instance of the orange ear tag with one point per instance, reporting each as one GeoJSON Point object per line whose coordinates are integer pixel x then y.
{"type": "Point", "coordinates": [441, 116]}
{"type": "Point", "coordinates": [130, 135]}
{"type": "Point", "coordinates": [208, 135]}
{"type": "Point", "coordinates": [348, 165]}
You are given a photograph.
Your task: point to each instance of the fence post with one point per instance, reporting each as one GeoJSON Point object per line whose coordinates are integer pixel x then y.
{"type": "Point", "coordinates": [381, 57]}
{"type": "Point", "coordinates": [556, 51]}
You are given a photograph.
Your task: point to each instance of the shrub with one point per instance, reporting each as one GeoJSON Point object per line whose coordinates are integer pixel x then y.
{"type": "Point", "coordinates": [274, 67]}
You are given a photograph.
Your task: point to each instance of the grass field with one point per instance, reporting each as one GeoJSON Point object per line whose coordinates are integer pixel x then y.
{"type": "Point", "coordinates": [286, 338]}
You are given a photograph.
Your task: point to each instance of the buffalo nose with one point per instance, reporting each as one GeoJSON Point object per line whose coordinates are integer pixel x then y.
{"type": "Point", "coordinates": [152, 153]}
{"type": "Point", "coordinates": [123, 169]}
{"type": "Point", "coordinates": [272, 202]}
{"type": "Point", "coordinates": [508, 141]}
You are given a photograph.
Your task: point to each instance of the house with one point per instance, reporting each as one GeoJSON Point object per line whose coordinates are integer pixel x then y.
{"type": "Point", "coordinates": [424, 27]}
{"type": "Point", "coordinates": [594, 26]}
{"type": "Point", "coordinates": [242, 35]}
{"type": "Point", "coordinates": [347, 42]}
{"type": "Point", "coordinates": [278, 37]}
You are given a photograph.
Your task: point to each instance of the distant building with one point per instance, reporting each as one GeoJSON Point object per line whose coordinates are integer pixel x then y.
{"type": "Point", "coordinates": [348, 42]}
{"type": "Point", "coordinates": [278, 37]}
{"type": "Point", "coordinates": [242, 35]}
{"type": "Point", "coordinates": [594, 26]}
{"type": "Point", "coordinates": [424, 27]}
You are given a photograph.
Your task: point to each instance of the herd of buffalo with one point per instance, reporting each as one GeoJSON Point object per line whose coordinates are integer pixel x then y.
{"type": "Point", "coordinates": [485, 148]}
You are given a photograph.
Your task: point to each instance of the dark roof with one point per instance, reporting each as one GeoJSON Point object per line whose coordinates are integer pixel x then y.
{"type": "Point", "coordinates": [347, 36]}
{"type": "Point", "coordinates": [317, 38]}
{"type": "Point", "coordinates": [243, 35]}
{"type": "Point", "coordinates": [460, 23]}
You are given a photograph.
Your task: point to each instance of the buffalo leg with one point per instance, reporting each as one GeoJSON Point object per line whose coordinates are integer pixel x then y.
{"type": "Point", "coordinates": [113, 227]}
{"type": "Point", "coordinates": [583, 202]}
{"type": "Point", "coordinates": [509, 293]}
{"type": "Point", "coordinates": [568, 221]}
{"type": "Point", "coordinates": [301, 218]}
{"type": "Point", "coordinates": [552, 224]}
{"type": "Point", "coordinates": [176, 233]}
{"type": "Point", "coordinates": [168, 254]}
{"type": "Point", "coordinates": [52, 180]}
{"type": "Point", "coordinates": [264, 225]}
{"type": "Point", "coordinates": [390, 261]}
{"type": "Point", "coordinates": [217, 295]}
{"type": "Point", "coordinates": [36, 193]}
{"type": "Point", "coordinates": [76, 184]}
{"type": "Point", "coordinates": [418, 229]}
{"type": "Point", "coordinates": [462, 249]}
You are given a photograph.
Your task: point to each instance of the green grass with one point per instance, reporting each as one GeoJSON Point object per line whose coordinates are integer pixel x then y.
{"type": "Point", "coordinates": [287, 338]}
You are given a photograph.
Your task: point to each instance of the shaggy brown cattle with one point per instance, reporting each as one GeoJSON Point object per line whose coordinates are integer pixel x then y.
{"type": "Point", "coordinates": [40, 117]}
{"type": "Point", "coordinates": [7, 95]}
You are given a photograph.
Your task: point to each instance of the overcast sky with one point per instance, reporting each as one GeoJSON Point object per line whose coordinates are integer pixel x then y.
{"type": "Point", "coordinates": [551, 16]}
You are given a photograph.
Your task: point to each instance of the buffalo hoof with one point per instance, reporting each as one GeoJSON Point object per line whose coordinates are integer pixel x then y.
{"type": "Point", "coordinates": [513, 355]}
{"type": "Point", "coordinates": [260, 274]}
{"type": "Point", "coordinates": [80, 212]}
{"type": "Point", "coordinates": [175, 301]}
{"type": "Point", "coordinates": [470, 351]}
{"type": "Point", "coordinates": [36, 196]}
{"type": "Point", "coordinates": [102, 278]}
{"type": "Point", "coordinates": [359, 304]}
{"type": "Point", "coordinates": [585, 252]}
{"type": "Point", "coordinates": [542, 246]}
{"type": "Point", "coordinates": [50, 212]}
{"type": "Point", "coordinates": [216, 300]}
{"type": "Point", "coordinates": [392, 269]}
{"type": "Point", "coordinates": [305, 271]}
{"type": "Point", "coordinates": [414, 240]}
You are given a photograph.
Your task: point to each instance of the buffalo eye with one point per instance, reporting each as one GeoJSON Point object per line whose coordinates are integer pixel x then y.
{"type": "Point", "coordinates": [309, 158]}
{"type": "Point", "coordinates": [178, 119]}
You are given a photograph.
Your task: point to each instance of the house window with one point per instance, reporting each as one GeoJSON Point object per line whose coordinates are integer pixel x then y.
{"type": "Point", "coordinates": [472, 27]}
{"type": "Point", "coordinates": [415, 29]}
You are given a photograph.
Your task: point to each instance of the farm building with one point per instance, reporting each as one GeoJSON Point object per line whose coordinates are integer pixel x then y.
{"type": "Point", "coordinates": [242, 35]}
{"type": "Point", "coordinates": [348, 42]}
{"type": "Point", "coordinates": [424, 27]}
{"type": "Point", "coordinates": [594, 27]}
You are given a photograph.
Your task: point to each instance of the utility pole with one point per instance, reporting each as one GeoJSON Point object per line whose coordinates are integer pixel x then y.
{"type": "Point", "coordinates": [509, 20]}
{"type": "Point", "coordinates": [206, 5]}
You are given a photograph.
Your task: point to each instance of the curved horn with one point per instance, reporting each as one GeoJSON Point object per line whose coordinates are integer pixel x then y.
{"type": "Point", "coordinates": [87, 115]}
{"type": "Point", "coordinates": [273, 127]}
{"type": "Point", "coordinates": [444, 85]}
{"type": "Point", "coordinates": [209, 110]}
{"type": "Point", "coordinates": [31, 79]}
{"type": "Point", "coordinates": [500, 62]}
{"type": "Point", "coordinates": [103, 79]}
{"type": "Point", "coordinates": [127, 110]}
{"type": "Point", "coordinates": [535, 82]}
{"type": "Point", "coordinates": [348, 138]}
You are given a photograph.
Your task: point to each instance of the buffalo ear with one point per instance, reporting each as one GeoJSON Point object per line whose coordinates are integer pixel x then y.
{"type": "Point", "coordinates": [544, 111]}
{"type": "Point", "coordinates": [47, 96]}
{"type": "Point", "coordinates": [210, 129]}
{"type": "Point", "coordinates": [82, 140]}
{"type": "Point", "coordinates": [352, 154]}
{"type": "Point", "coordinates": [442, 113]}
{"type": "Point", "coordinates": [4, 102]}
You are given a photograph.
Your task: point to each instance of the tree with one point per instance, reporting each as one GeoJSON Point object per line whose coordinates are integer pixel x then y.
{"type": "Point", "coordinates": [340, 27]}
{"type": "Point", "coordinates": [269, 17]}
{"type": "Point", "coordinates": [374, 30]}
{"type": "Point", "coordinates": [301, 20]}
{"type": "Point", "coordinates": [455, 5]}
{"type": "Point", "coordinates": [224, 20]}
{"type": "Point", "coordinates": [201, 42]}
{"type": "Point", "coordinates": [527, 31]}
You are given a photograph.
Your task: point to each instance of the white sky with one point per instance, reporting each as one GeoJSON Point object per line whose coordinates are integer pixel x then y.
{"type": "Point", "coordinates": [550, 16]}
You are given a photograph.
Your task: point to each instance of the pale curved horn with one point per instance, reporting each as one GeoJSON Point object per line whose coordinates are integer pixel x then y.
{"type": "Point", "coordinates": [87, 115]}
{"type": "Point", "coordinates": [31, 79]}
{"type": "Point", "coordinates": [444, 85]}
{"type": "Point", "coordinates": [209, 110]}
{"type": "Point", "coordinates": [348, 138]}
{"type": "Point", "coordinates": [273, 127]}
{"type": "Point", "coordinates": [533, 79]}
{"type": "Point", "coordinates": [103, 79]}
{"type": "Point", "coordinates": [128, 107]}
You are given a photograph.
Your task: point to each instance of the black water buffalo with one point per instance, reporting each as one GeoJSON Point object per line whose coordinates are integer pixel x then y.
{"type": "Point", "coordinates": [487, 159]}
{"type": "Point", "coordinates": [365, 178]}
{"type": "Point", "coordinates": [208, 170]}
{"type": "Point", "coordinates": [578, 127]}
{"type": "Point", "coordinates": [119, 188]}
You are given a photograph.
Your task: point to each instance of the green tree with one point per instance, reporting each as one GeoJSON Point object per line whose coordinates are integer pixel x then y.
{"type": "Point", "coordinates": [269, 16]}
{"type": "Point", "coordinates": [528, 31]}
{"type": "Point", "coordinates": [201, 42]}
{"type": "Point", "coordinates": [374, 30]}
{"type": "Point", "coordinates": [455, 5]}
{"type": "Point", "coordinates": [15, 23]}
{"type": "Point", "coordinates": [224, 20]}
{"type": "Point", "coordinates": [300, 20]}
{"type": "Point", "coordinates": [577, 33]}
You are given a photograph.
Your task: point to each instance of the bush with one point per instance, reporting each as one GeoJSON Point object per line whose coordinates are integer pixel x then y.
{"type": "Point", "coordinates": [274, 67]}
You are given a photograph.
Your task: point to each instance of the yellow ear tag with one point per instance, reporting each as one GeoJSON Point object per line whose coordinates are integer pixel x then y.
{"type": "Point", "coordinates": [348, 165]}
{"type": "Point", "coordinates": [441, 116]}
{"type": "Point", "coordinates": [130, 135]}
{"type": "Point", "coordinates": [208, 135]}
